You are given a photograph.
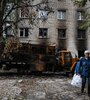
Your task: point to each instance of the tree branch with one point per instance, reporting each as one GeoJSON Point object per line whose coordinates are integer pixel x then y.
{"type": "Point", "coordinates": [16, 6]}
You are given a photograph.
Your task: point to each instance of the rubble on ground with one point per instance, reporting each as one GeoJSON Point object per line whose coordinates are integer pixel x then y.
{"type": "Point", "coordinates": [39, 88]}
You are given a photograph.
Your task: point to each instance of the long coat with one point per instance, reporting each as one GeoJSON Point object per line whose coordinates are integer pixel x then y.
{"type": "Point", "coordinates": [83, 67]}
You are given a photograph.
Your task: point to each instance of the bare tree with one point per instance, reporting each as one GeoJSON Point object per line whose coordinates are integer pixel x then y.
{"type": "Point", "coordinates": [9, 15]}
{"type": "Point", "coordinates": [5, 13]}
{"type": "Point", "coordinates": [83, 3]}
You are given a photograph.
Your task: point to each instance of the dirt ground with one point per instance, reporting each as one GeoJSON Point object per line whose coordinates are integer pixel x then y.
{"type": "Point", "coordinates": [39, 88]}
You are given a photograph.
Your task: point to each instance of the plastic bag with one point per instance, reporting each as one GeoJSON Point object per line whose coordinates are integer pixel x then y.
{"type": "Point", "coordinates": [76, 81]}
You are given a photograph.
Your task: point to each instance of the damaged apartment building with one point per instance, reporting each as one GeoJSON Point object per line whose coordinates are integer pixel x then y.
{"type": "Point", "coordinates": [59, 29]}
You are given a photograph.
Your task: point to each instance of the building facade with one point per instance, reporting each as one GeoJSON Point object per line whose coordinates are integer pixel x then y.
{"type": "Point", "coordinates": [59, 28]}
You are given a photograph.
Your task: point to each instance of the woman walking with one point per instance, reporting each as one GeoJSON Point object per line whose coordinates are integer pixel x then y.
{"type": "Point", "coordinates": [83, 68]}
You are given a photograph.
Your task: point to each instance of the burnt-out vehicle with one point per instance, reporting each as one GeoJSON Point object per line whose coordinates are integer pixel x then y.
{"type": "Point", "coordinates": [17, 60]}
{"type": "Point", "coordinates": [39, 58]}
{"type": "Point", "coordinates": [30, 58]}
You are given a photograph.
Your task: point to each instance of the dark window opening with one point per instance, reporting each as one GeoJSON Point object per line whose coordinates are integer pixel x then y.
{"type": "Point", "coordinates": [23, 32]}
{"type": "Point", "coordinates": [81, 34]}
{"type": "Point", "coordinates": [26, 32]}
{"type": "Point", "coordinates": [61, 33]}
{"type": "Point", "coordinates": [43, 32]}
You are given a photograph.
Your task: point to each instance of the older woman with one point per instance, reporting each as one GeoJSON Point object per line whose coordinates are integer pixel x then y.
{"type": "Point", "coordinates": [83, 68]}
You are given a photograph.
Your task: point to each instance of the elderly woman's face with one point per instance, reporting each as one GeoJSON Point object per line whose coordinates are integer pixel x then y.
{"type": "Point", "coordinates": [87, 55]}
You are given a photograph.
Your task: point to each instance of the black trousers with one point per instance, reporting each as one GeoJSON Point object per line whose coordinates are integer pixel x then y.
{"type": "Point", "coordinates": [84, 83]}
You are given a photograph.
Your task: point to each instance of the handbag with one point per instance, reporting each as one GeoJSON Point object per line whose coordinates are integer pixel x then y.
{"type": "Point", "coordinates": [76, 81]}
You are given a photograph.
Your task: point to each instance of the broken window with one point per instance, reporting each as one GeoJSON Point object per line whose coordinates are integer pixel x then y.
{"type": "Point", "coordinates": [43, 32]}
{"type": "Point", "coordinates": [43, 14]}
{"type": "Point", "coordinates": [81, 34]}
{"type": "Point", "coordinates": [62, 33]}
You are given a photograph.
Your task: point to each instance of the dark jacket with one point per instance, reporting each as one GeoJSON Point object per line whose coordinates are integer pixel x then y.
{"type": "Point", "coordinates": [83, 67]}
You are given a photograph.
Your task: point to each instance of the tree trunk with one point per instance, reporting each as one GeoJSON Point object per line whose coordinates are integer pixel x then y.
{"type": "Point", "coordinates": [1, 33]}
{"type": "Point", "coordinates": [1, 29]}
{"type": "Point", "coordinates": [2, 8]}
{"type": "Point", "coordinates": [1, 21]}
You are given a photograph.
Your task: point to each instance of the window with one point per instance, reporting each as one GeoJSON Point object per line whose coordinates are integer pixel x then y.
{"type": "Point", "coordinates": [81, 34]}
{"type": "Point", "coordinates": [23, 32]}
{"type": "Point", "coordinates": [61, 14]}
{"type": "Point", "coordinates": [61, 33]}
{"type": "Point", "coordinates": [43, 14]}
{"type": "Point", "coordinates": [43, 32]}
{"type": "Point", "coordinates": [11, 16]}
{"type": "Point", "coordinates": [9, 32]}
{"type": "Point", "coordinates": [24, 12]}
{"type": "Point", "coordinates": [80, 15]}
{"type": "Point", "coordinates": [61, 0]}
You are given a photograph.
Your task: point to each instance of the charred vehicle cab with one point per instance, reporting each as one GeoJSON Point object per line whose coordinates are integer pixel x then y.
{"type": "Point", "coordinates": [66, 60]}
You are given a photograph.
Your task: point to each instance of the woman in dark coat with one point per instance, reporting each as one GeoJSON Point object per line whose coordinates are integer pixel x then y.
{"type": "Point", "coordinates": [83, 68]}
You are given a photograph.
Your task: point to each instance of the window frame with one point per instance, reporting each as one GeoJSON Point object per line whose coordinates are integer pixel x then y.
{"type": "Point", "coordinates": [44, 14]}
{"type": "Point", "coordinates": [80, 16]}
{"type": "Point", "coordinates": [12, 15]}
{"type": "Point", "coordinates": [23, 30]}
{"type": "Point", "coordinates": [24, 12]}
{"type": "Point", "coordinates": [82, 32]}
{"type": "Point", "coordinates": [60, 14]}
{"type": "Point", "coordinates": [41, 36]}
{"type": "Point", "coordinates": [59, 36]}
